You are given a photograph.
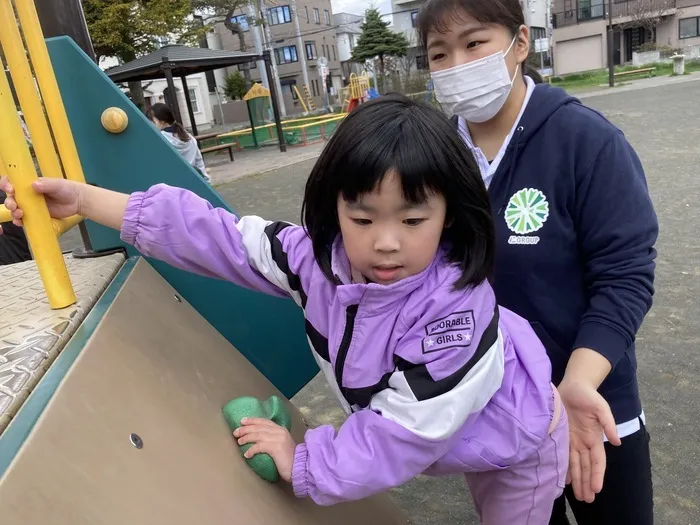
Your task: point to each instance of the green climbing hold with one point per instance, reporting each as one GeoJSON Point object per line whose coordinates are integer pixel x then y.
{"type": "Point", "coordinates": [273, 409]}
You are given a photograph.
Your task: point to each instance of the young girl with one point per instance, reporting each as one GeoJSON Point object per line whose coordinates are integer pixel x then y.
{"type": "Point", "coordinates": [391, 274]}
{"type": "Point", "coordinates": [174, 132]}
{"type": "Point", "coordinates": [575, 233]}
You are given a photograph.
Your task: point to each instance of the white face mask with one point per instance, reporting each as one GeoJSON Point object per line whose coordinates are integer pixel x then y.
{"type": "Point", "coordinates": [475, 91]}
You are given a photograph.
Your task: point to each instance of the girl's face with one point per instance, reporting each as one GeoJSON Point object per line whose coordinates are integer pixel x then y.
{"type": "Point", "coordinates": [387, 238]}
{"type": "Point", "coordinates": [465, 40]}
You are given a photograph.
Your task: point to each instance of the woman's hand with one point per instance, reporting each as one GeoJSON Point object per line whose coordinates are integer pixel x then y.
{"type": "Point", "coordinates": [62, 197]}
{"type": "Point", "coordinates": [271, 439]}
{"type": "Point", "coordinates": [589, 417]}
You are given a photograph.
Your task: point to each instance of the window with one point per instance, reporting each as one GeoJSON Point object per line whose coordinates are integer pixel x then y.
{"type": "Point", "coordinates": [308, 20]}
{"type": "Point", "coordinates": [414, 18]}
{"type": "Point", "coordinates": [317, 18]}
{"type": "Point", "coordinates": [241, 20]}
{"type": "Point", "coordinates": [688, 27]}
{"type": "Point", "coordinates": [327, 16]}
{"type": "Point", "coordinates": [311, 53]}
{"type": "Point", "coordinates": [323, 50]}
{"type": "Point", "coordinates": [193, 99]}
{"type": "Point", "coordinates": [590, 9]}
{"type": "Point", "coordinates": [352, 42]}
{"type": "Point", "coordinates": [279, 15]}
{"type": "Point", "coordinates": [537, 33]}
{"type": "Point", "coordinates": [286, 54]}
{"type": "Point", "coordinates": [422, 62]}
{"type": "Point", "coordinates": [335, 57]}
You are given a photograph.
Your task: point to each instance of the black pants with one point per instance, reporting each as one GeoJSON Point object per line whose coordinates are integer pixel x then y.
{"type": "Point", "coordinates": [626, 498]}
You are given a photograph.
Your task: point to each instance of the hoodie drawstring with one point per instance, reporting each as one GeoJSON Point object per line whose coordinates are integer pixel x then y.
{"type": "Point", "coordinates": [511, 168]}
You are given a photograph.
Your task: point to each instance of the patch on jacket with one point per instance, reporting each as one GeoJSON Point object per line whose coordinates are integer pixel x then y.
{"type": "Point", "coordinates": [452, 331]}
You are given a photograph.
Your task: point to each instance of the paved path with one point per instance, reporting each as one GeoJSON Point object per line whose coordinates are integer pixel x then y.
{"type": "Point", "coordinates": [662, 124]}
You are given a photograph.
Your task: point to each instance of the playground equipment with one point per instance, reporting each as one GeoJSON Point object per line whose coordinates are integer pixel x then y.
{"type": "Point", "coordinates": [112, 391]}
{"type": "Point", "coordinates": [114, 120]}
{"type": "Point", "coordinates": [356, 92]}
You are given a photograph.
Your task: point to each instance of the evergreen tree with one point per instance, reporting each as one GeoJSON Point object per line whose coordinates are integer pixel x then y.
{"type": "Point", "coordinates": [378, 41]}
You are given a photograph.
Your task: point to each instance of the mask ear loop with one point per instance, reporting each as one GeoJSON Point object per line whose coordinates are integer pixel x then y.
{"type": "Point", "coordinates": [517, 67]}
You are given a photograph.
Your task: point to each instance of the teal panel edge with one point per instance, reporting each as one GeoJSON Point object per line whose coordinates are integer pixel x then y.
{"type": "Point", "coordinates": [22, 424]}
{"type": "Point", "coordinates": [268, 331]}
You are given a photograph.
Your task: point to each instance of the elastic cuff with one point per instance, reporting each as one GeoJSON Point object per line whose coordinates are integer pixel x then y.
{"type": "Point", "coordinates": [603, 339]}
{"type": "Point", "coordinates": [300, 482]}
{"type": "Point", "coordinates": [132, 214]}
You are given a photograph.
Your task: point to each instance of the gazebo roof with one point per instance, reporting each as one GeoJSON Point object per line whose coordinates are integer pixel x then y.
{"type": "Point", "coordinates": [183, 60]}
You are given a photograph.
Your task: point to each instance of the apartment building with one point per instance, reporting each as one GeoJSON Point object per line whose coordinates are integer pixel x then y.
{"type": "Point", "coordinates": [580, 30]}
{"type": "Point", "coordinates": [349, 29]}
{"type": "Point", "coordinates": [318, 39]}
{"type": "Point", "coordinates": [405, 14]}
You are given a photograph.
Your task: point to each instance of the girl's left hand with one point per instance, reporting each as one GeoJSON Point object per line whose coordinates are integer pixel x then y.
{"type": "Point", "coordinates": [268, 438]}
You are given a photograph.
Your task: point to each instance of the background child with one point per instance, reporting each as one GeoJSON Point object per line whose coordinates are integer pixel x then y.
{"type": "Point", "coordinates": [175, 133]}
{"type": "Point", "coordinates": [576, 259]}
{"type": "Point", "coordinates": [391, 274]}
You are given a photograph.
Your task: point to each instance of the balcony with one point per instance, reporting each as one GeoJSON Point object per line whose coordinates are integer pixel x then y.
{"type": "Point", "coordinates": [621, 11]}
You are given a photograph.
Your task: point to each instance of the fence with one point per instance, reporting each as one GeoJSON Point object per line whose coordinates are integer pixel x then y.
{"type": "Point", "coordinates": [587, 10]}
{"type": "Point", "coordinates": [663, 56]}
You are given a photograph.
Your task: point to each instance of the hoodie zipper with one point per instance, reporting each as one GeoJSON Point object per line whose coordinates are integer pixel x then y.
{"type": "Point", "coordinates": [350, 315]}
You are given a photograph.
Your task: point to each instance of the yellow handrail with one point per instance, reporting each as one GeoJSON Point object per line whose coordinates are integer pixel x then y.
{"type": "Point", "coordinates": [39, 54]}
{"type": "Point", "coordinates": [15, 156]}
{"type": "Point", "coordinates": [16, 56]}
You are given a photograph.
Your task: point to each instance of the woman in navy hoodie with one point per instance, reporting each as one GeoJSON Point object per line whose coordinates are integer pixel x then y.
{"type": "Point", "coordinates": [576, 231]}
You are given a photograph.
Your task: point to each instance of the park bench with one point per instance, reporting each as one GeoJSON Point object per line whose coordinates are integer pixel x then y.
{"type": "Point", "coordinates": [217, 147]}
{"type": "Point", "coordinates": [647, 70]}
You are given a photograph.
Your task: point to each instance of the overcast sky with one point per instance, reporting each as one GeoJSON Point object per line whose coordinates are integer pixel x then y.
{"type": "Point", "coordinates": [358, 7]}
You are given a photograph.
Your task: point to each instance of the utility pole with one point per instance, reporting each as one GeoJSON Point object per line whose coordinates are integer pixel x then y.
{"type": "Point", "coordinates": [253, 15]}
{"type": "Point", "coordinates": [300, 44]}
{"type": "Point", "coordinates": [611, 60]}
{"type": "Point", "coordinates": [273, 62]}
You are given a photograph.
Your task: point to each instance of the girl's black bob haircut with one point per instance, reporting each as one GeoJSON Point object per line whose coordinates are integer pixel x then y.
{"type": "Point", "coordinates": [424, 148]}
{"type": "Point", "coordinates": [436, 14]}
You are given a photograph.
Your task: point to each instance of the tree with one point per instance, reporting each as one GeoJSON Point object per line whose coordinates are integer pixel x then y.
{"type": "Point", "coordinates": [224, 11]}
{"type": "Point", "coordinates": [235, 86]}
{"type": "Point", "coordinates": [647, 14]}
{"type": "Point", "coordinates": [128, 29]}
{"type": "Point", "coordinates": [377, 40]}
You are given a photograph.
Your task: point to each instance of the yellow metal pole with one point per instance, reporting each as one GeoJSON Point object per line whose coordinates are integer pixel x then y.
{"type": "Point", "coordinates": [13, 47]}
{"type": "Point", "coordinates": [19, 165]}
{"type": "Point", "coordinates": [301, 99]}
{"type": "Point", "coordinates": [48, 86]}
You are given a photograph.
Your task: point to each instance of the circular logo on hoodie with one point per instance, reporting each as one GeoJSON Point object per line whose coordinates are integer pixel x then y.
{"type": "Point", "coordinates": [527, 211]}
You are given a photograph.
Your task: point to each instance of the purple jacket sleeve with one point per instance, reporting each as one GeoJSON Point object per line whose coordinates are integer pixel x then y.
{"type": "Point", "coordinates": [414, 422]}
{"type": "Point", "coordinates": [180, 228]}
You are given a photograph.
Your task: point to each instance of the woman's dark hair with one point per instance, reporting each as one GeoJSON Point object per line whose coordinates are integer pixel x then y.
{"type": "Point", "coordinates": [435, 15]}
{"type": "Point", "coordinates": [163, 113]}
{"type": "Point", "coordinates": [393, 133]}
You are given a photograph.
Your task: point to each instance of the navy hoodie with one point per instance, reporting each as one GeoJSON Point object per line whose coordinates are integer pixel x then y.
{"type": "Point", "coordinates": [575, 231]}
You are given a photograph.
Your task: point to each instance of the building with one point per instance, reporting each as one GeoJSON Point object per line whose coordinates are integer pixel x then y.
{"type": "Point", "coordinates": [580, 30]}
{"type": "Point", "coordinates": [348, 29]}
{"type": "Point", "coordinates": [318, 39]}
{"type": "Point", "coordinates": [405, 14]}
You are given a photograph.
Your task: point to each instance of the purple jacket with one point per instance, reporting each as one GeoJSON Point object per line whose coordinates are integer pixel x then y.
{"type": "Point", "coordinates": [435, 381]}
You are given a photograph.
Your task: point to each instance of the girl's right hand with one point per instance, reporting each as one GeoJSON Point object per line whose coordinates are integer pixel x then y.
{"type": "Point", "coordinates": [62, 197]}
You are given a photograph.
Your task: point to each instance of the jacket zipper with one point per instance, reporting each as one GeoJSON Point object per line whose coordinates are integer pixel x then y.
{"type": "Point", "coordinates": [350, 315]}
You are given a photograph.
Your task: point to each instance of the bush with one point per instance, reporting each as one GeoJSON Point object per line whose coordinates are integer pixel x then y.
{"type": "Point", "coordinates": [235, 86]}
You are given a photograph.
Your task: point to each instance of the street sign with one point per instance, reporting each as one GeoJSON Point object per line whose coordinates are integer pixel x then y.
{"type": "Point", "coordinates": [541, 45]}
{"type": "Point", "coordinates": [322, 62]}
